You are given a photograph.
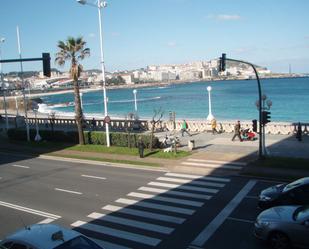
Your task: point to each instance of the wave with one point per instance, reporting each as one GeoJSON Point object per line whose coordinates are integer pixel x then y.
{"type": "Point", "coordinates": [132, 100]}
{"type": "Point", "coordinates": [154, 88]}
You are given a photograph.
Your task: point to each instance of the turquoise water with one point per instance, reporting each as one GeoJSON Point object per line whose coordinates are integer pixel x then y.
{"type": "Point", "coordinates": [231, 100]}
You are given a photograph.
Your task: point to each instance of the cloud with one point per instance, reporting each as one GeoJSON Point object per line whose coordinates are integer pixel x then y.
{"type": "Point", "coordinates": [225, 17]}
{"type": "Point", "coordinates": [171, 44]}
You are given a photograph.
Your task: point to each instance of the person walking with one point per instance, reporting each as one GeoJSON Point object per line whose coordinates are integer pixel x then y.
{"type": "Point", "coordinates": [237, 131]}
{"type": "Point", "coordinates": [184, 127]}
{"type": "Point", "coordinates": [214, 126]}
{"type": "Point", "coordinates": [299, 132]}
{"type": "Point", "coordinates": [141, 147]}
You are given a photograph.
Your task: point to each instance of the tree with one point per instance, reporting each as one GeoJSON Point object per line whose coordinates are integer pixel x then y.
{"type": "Point", "coordinates": [156, 118]}
{"type": "Point", "coordinates": [74, 50]}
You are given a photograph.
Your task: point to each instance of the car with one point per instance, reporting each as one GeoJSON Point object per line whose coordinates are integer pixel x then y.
{"type": "Point", "coordinates": [294, 193]}
{"type": "Point", "coordinates": [47, 236]}
{"type": "Point", "coordinates": [284, 226]}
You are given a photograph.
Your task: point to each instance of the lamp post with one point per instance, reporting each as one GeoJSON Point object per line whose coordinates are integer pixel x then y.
{"type": "Point", "coordinates": [101, 4]}
{"type": "Point", "coordinates": [210, 116]}
{"type": "Point", "coordinates": [37, 136]}
{"type": "Point", "coordinates": [3, 90]}
{"type": "Point", "coordinates": [16, 106]}
{"type": "Point", "coordinates": [135, 101]}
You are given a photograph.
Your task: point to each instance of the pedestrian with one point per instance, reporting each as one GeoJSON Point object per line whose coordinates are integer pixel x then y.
{"type": "Point", "coordinates": [141, 147]}
{"type": "Point", "coordinates": [184, 127]}
{"type": "Point", "coordinates": [93, 124]}
{"type": "Point", "coordinates": [299, 132]}
{"type": "Point", "coordinates": [214, 126]}
{"type": "Point", "coordinates": [237, 131]}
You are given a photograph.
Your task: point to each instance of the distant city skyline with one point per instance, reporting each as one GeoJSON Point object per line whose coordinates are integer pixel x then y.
{"type": "Point", "coordinates": [136, 33]}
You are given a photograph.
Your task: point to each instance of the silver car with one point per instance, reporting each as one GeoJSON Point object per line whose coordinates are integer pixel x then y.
{"type": "Point", "coordinates": [284, 226]}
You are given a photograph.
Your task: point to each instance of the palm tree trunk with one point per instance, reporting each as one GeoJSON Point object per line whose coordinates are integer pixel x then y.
{"type": "Point", "coordinates": [78, 113]}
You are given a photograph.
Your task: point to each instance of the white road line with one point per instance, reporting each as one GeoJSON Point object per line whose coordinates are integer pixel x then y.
{"type": "Point", "coordinates": [216, 166]}
{"type": "Point", "coordinates": [95, 177]}
{"type": "Point", "coordinates": [166, 199]}
{"type": "Point", "coordinates": [29, 210]}
{"type": "Point", "coordinates": [209, 178]}
{"type": "Point", "coordinates": [20, 166]}
{"type": "Point", "coordinates": [218, 162]}
{"type": "Point", "coordinates": [180, 186]}
{"type": "Point", "coordinates": [241, 220]}
{"type": "Point", "coordinates": [68, 191]}
{"type": "Point", "coordinates": [177, 193]}
{"type": "Point", "coordinates": [201, 239]}
{"type": "Point", "coordinates": [46, 221]}
{"type": "Point", "coordinates": [106, 244]}
{"type": "Point", "coordinates": [117, 233]}
{"type": "Point", "coordinates": [156, 206]}
{"type": "Point", "coordinates": [132, 223]}
{"type": "Point", "coordinates": [144, 214]}
{"type": "Point", "coordinates": [193, 182]}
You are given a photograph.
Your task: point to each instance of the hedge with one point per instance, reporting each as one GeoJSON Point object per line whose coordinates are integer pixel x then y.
{"type": "Point", "coordinates": [120, 139]}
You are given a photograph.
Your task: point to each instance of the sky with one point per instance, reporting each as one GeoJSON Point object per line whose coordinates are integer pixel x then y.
{"type": "Point", "coordinates": [138, 33]}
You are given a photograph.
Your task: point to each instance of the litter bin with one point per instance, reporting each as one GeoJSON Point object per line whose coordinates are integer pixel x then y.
{"type": "Point", "coordinates": [191, 144]}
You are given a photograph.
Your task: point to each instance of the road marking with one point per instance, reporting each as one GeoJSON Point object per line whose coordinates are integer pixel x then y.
{"type": "Point", "coordinates": [180, 186]}
{"type": "Point", "coordinates": [217, 162]}
{"type": "Point", "coordinates": [156, 206]}
{"type": "Point", "coordinates": [194, 247]}
{"type": "Point", "coordinates": [132, 223]}
{"type": "Point", "coordinates": [209, 178]}
{"type": "Point", "coordinates": [241, 220]}
{"type": "Point", "coordinates": [217, 166]}
{"type": "Point", "coordinates": [106, 244]}
{"type": "Point", "coordinates": [201, 239]}
{"type": "Point", "coordinates": [117, 233]}
{"type": "Point", "coordinates": [177, 193]}
{"type": "Point", "coordinates": [46, 221]}
{"type": "Point", "coordinates": [68, 191]}
{"type": "Point", "coordinates": [144, 214]}
{"type": "Point", "coordinates": [20, 166]}
{"type": "Point", "coordinates": [166, 199]}
{"type": "Point", "coordinates": [95, 177]}
{"type": "Point", "coordinates": [193, 182]}
{"type": "Point", "coordinates": [29, 210]}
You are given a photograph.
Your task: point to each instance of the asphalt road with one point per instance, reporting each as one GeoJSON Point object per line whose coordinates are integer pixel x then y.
{"type": "Point", "coordinates": [130, 208]}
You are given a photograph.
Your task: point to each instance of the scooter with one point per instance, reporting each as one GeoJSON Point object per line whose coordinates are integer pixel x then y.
{"type": "Point", "coordinates": [248, 135]}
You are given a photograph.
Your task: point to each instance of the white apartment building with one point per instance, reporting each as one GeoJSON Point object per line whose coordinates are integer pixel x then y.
{"type": "Point", "coordinates": [128, 78]}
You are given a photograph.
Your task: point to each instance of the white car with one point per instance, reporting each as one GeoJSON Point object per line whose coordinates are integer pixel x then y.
{"type": "Point", "coordinates": [47, 236]}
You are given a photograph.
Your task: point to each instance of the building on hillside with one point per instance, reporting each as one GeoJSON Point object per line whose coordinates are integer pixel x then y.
{"type": "Point", "coordinates": [128, 78]}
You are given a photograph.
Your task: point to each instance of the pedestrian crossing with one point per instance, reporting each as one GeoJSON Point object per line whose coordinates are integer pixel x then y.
{"type": "Point", "coordinates": [145, 217]}
{"type": "Point", "coordinates": [214, 164]}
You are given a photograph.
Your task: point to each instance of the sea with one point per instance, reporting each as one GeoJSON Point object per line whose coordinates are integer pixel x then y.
{"type": "Point", "coordinates": [230, 100]}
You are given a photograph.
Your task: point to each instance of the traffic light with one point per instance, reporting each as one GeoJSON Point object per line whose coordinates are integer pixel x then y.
{"type": "Point", "coordinates": [222, 63]}
{"type": "Point", "coordinates": [265, 117]}
{"type": "Point", "coordinates": [254, 125]}
{"type": "Point", "coordinates": [46, 64]}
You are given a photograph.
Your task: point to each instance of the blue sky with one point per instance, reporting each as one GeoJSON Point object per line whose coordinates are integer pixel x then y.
{"type": "Point", "coordinates": [137, 33]}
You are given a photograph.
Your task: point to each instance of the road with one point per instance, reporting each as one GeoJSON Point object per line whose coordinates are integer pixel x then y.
{"type": "Point", "coordinates": [125, 208]}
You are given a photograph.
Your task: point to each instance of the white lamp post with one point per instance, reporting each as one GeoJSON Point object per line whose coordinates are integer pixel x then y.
{"type": "Point", "coordinates": [210, 116]}
{"type": "Point", "coordinates": [16, 106]}
{"type": "Point", "coordinates": [135, 102]}
{"type": "Point", "coordinates": [81, 100]}
{"type": "Point", "coordinates": [101, 4]}
{"type": "Point", "coordinates": [3, 91]}
{"type": "Point", "coordinates": [37, 136]}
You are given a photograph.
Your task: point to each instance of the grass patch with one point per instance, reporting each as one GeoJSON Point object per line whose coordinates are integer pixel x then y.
{"type": "Point", "coordinates": [100, 159]}
{"type": "Point", "coordinates": [286, 163]}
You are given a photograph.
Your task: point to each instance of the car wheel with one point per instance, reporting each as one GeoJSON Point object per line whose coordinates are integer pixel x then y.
{"type": "Point", "coordinates": [278, 240]}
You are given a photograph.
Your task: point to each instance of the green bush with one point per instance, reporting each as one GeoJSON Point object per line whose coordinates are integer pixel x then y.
{"type": "Point", "coordinates": [91, 137]}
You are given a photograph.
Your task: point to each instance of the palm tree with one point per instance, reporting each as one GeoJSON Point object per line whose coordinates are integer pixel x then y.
{"type": "Point", "coordinates": [74, 50]}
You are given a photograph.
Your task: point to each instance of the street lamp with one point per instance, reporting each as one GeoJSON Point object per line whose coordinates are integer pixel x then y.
{"type": "Point", "coordinates": [210, 116]}
{"type": "Point", "coordinates": [2, 40]}
{"type": "Point", "coordinates": [135, 102]}
{"type": "Point", "coordinates": [37, 136]}
{"type": "Point", "coordinates": [101, 4]}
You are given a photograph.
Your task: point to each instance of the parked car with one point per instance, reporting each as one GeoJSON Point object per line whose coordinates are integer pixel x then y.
{"type": "Point", "coordinates": [47, 236]}
{"type": "Point", "coordinates": [284, 226]}
{"type": "Point", "coordinates": [294, 193]}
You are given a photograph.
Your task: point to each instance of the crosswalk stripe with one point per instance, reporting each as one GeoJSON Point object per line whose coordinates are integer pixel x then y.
{"type": "Point", "coordinates": [106, 244]}
{"type": "Point", "coordinates": [132, 223]}
{"type": "Point", "coordinates": [217, 162]}
{"type": "Point", "coordinates": [179, 186]}
{"type": "Point", "coordinates": [193, 182]}
{"type": "Point", "coordinates": [144, 214]}
{"type": "Point", "coordinates": [209, 178]}
{"type": "Point", "coordinates": [117, 233]}
{"type": "Point", "coordinates": [166, 199]}
{"type": "Point", "coordinates": [177, 193]}
{"type": "Point", "coordinates": [156, 206]}
{"type": "Point", "coordinates": [208, 165]}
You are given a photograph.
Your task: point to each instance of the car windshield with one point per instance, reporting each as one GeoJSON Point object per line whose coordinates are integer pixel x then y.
{"type": "Point", "coordinates": [293, 185]}
{"type": "Point", "coordinates": [301, 213]}
{"type": "Point", "coordinates": [80, 242]}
